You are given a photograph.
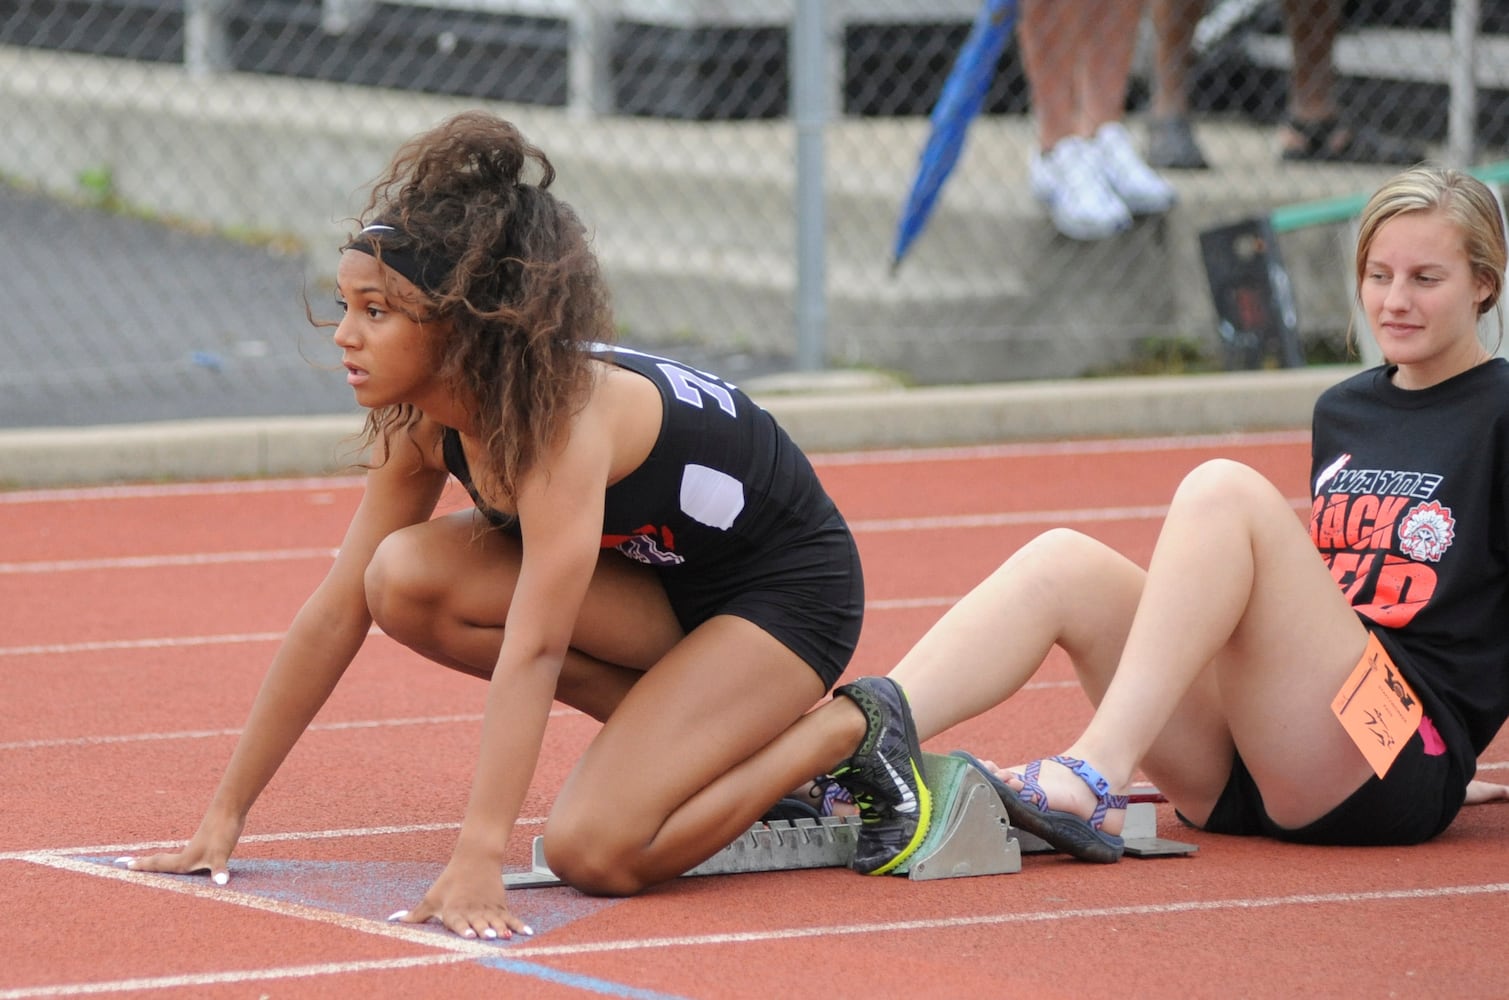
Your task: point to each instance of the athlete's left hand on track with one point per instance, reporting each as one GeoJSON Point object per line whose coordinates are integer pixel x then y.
{"type": "Point", "coordinates": [468, 900]}
{"type": "Point", "coordinates": [208, 853]}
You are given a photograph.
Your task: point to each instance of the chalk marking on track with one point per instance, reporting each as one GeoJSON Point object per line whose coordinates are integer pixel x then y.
{"type": "Point", "coordinates": [497, 955]}
{"type": "Point", "coordinates": [205, 889]}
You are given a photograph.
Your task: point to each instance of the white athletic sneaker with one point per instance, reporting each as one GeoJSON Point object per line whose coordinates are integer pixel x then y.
{"type": "Point", "coordinates": [1069, 181]}
{"type": "Point", "coordinates": [1137, 185]}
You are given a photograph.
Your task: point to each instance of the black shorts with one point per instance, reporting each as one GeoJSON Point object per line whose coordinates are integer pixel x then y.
{"type": "Point", "coordinates": [808, 592]}
{"type": "Point", "coordinates": [1416, 800]}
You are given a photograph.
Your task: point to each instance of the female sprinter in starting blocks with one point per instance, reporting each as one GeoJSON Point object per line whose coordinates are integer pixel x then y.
{"type": "Point", "coordinates": [647, 545]}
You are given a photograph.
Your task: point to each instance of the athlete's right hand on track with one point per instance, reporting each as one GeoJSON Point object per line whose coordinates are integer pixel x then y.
{"type": "Point", "coordinates": [208, 853]}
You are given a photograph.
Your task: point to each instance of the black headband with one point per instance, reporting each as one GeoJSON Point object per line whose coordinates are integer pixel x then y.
{"type": "Point", "coordinates": [428, 273]}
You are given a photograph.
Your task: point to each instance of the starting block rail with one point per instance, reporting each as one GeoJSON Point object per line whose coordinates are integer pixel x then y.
{"type": "Point", "coordinates": [970, 835]}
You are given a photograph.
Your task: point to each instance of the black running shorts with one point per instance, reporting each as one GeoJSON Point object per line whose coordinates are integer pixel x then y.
{"type": "Point", "coordinates": [807, 592]}
{"type": "Point", "coordinates": [1416, 800]}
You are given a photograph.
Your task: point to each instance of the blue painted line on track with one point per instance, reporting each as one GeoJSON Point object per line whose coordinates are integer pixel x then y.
{"type": "Point", "coordinates": [373, 889]}
{"type": "Point", "coordinates": [572, 979]}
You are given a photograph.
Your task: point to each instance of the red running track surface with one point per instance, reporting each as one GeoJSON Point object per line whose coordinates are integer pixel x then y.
{"type": "Point", "coordinates": [138, 622]}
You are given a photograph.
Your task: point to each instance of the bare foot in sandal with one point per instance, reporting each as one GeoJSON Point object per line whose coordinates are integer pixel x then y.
{"type": "Point", "coordinates": [1330, 140]}
{"type": "Point", "coordinates": [1080, 817]}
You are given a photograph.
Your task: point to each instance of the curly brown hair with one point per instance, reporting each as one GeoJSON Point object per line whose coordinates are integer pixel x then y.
{"type": "Point", "coordinates": [517, 294]}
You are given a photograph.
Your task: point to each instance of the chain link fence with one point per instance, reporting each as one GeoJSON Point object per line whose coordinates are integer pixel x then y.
{"type": "Point", "coordinates": [176, 177]}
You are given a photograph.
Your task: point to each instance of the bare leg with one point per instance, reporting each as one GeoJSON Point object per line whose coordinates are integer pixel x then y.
{"type": "Point", "coordinates": [1313, 26]}
{"type": "Point", "coordinates": [1313, 131]}
{"type": "Point", "coordinates": [1060, 589]}
{"type": "Point", "coordinates": [442, 589]}
{"type": "Point", "coordinates": [1053, 35]}
{"type": "Point", "coordinates": [690, 759]}
{"type": "Point", "coordinates": [1174, 23]}
{"type": "Point", "coordinates": [1105, 62]}
{"type": "Point", "coordinates": [1065, 589]}
{"type": "Point", "coordinates": [1235, 586]}
{"type": "Point", "coordinates": [699, 736]}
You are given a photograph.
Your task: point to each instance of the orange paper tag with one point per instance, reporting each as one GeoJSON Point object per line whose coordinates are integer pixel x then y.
{"type": "Point", "coordinates": [1377, 707]}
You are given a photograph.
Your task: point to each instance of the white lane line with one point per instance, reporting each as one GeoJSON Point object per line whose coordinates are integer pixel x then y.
{"type": "Point", "coordinates": [1008, 518]}
{"type": "Point", "coordinates": [237, 638]}
{"type": "Point", "coordinates": [172, 642]}
{"type": "Point", "coordinates": [219, 978]}
{"type": "Point", "coordinates": [1035, 449]}
{"type": "Point", "coordinates": [1031, 917]}
{"type": "Point", "coordinates": [153, 491]}
{"type": "Point", "coordinates": [942, 522]}
{"type": "Point", "coordinates": [205, 734]}
{"type": "Point", "coordinates": [164, 642]}
{"type": "Point", "coordinates": [114, 850]}
{"type": "Point", "coordinates": [155, 562]}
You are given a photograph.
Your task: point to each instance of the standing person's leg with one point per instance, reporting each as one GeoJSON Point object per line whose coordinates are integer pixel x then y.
{"type": "Point", "coordinates": [1051, 34]}
{"type": "Point", "coordinates": [1313, 26]}
{"type": "Point", "coordinates": [1171, 140]}
{"type": "Point", "coordinates": [1104, 66]}
{"type": "Point", "coordinates": [1064, 169]}
{"type": "Point", "coordinates": [1234, 590]}
{"type": "Point", "coordinates": [1103, 71]}
{"type": "Point", "coordinates": [1315, 128]}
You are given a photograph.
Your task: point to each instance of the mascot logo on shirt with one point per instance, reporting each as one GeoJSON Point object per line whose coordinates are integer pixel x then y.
{"type": "Point", "coordinates": [650, 545]}
{"type": "Point", "coordinates": [1381, 533]}
{"type": "Point", "coordinates": [1427, 532]}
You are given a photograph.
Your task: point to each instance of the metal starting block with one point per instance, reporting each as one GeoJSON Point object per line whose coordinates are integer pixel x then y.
{"type": "Point", "coordinates": [970, 832]}
{"type": "Point", "coordinates": [1139, 831]}
{"type": "Point", "coordinates": [781, 845]}
{"type": "Point", "coordinates": [970, 835]}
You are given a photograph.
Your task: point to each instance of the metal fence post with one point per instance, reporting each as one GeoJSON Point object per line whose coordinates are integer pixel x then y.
{"type": "Point", "coordinates": [1461, 120]}
{"type": "Point", "coordinates": [205, 49]}
{"type": "Point", "coordinates": [809, 112]}
{"type": "Point", "coordinates": [589, 74]}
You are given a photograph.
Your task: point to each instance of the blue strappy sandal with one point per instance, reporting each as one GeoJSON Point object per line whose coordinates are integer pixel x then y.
{"type": "Point", "coordinates": [1074, 835]}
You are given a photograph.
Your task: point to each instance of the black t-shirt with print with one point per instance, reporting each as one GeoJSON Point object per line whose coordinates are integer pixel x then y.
{"type": "Point", "coordinates": [1410, 511]}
